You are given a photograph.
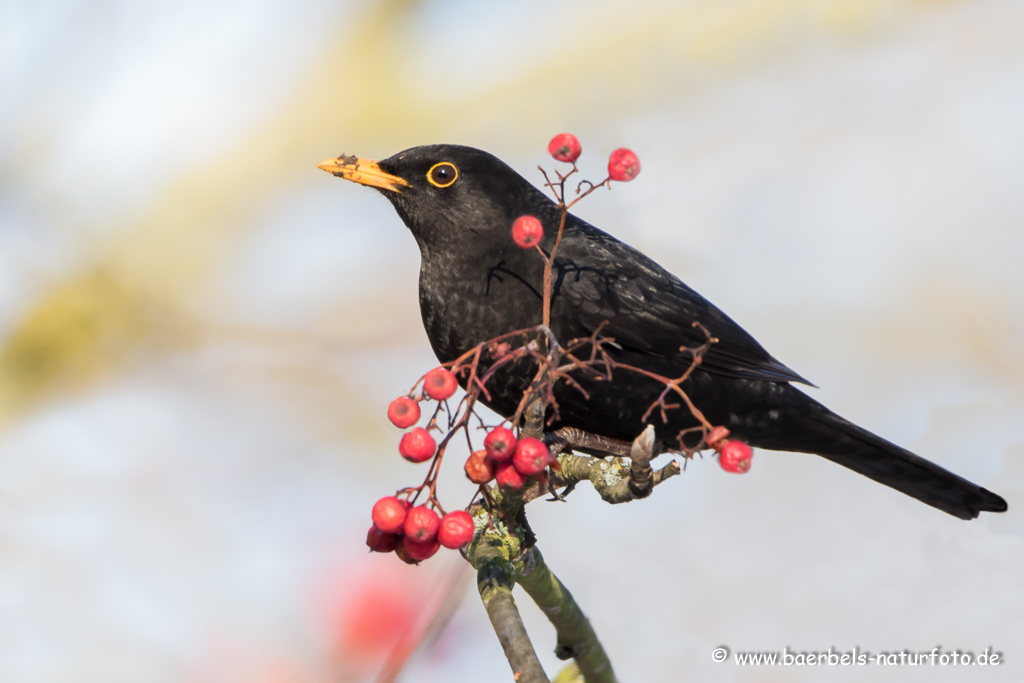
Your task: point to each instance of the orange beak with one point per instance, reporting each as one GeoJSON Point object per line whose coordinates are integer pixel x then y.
{"type": "Point", "coordinates": [364, 172]}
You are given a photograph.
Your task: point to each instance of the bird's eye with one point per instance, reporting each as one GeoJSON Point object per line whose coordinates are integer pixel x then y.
{"type": "Point", "coordinates": [442, 174]}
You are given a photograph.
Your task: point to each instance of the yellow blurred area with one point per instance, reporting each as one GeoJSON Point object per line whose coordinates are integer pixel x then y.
{"type": "Point", "coordinates": [76, 334]}
{"type": "Point", "coordinates": [142, 284]}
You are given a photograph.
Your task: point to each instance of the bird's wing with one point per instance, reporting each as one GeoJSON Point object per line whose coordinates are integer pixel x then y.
{"type": "Point", "coordinates": [647, 309]}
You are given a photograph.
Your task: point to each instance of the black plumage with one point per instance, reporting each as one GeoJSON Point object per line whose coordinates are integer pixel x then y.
{"type": "Point", "coordinates": [476, 284]}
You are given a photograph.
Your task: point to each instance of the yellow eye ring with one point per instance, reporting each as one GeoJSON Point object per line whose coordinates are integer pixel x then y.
{"type": "Point", "coordinates": [443, 174]}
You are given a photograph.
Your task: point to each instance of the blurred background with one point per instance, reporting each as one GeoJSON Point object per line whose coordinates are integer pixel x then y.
{"type": "Point", "coordinates": [200, 331]}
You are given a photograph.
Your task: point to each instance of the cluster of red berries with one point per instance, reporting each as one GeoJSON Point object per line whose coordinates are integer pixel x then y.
{"type": "Point", "coordinates": [416, 533]}
{"type": "Point", "coordinates": [509, 461]}
{"type": "Point", "coordinates": [733, 456]}
{"type": "Point", "coordinates": [417, 445]}
{"type": "Point", "coordinates": [623, 166]}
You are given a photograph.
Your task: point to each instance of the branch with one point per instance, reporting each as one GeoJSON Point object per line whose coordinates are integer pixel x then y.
{"type": "Point", "coordinates": [495, 578]}
{"type": "Point", "coordinates": [534, 420]}
{"type": "Point", "coordinates": [614, 480]}
{"type": "Point", "coordinates": [641, 476]}
{"type": "Point", "coordinates": [576, 637]}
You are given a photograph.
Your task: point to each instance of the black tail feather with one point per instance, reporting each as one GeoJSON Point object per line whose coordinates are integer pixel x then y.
{"type": "Point", "coordinates": [834, 438]}
{"type": "Point", "coordinates": [898, 468]}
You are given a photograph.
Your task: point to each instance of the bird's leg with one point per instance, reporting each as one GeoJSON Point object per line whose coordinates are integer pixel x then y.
{"type": "Point", "coordinates": [572, 438]}
{"type": "Point", "coordinates": [556, 496]}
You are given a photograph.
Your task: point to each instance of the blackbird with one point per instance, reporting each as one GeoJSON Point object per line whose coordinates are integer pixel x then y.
{"type": "Point", "coordinates": [476, 284]}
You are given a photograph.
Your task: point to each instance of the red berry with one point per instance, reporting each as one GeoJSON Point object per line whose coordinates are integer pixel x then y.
{"type": "Point", "coordinates": [456, 529]}
{"type": "Point", "coordinates": [440, 384]}
{"type": "Point", "coordinates": [389, 514]}
{"type": "Point", "coordinates": [403, 555]}
{"type": "Point", "coordinates": [716, 437]}
{"type": "Point", "coordinates": [500, 444]}
{"type": "Point", "coordinates": [527, 232]}
{"type": "Point", "coordinates": [479, 467]}
{"type": "Point", "coordinates": [508, 476]}
{"type": "Point", "coordinates": [531, 456]}
{"type": "Point", "coordinates": [417, 445]}
{"type": "Point", "coordinates": [565, 147]}
{"type": "Point", "coordinates": [380, 542]}
{"type": "Point", "coordinates": [421, 524]}
{"type": "Point", "coordinates": [623, 165]}
{"type": "Point", "coordinates": [404, 412]}
{"type": "Point", "coordinates": [735, 456]}
{"type": "Point", "coordinates": [413, 552]}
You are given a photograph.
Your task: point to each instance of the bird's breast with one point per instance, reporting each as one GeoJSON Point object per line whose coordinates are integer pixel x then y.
{"type": "Point", "coordinates": [466, 303]}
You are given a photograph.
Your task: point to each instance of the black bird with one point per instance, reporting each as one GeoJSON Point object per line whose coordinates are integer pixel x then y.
{"type": "Point", "coordinates": [476, 284]}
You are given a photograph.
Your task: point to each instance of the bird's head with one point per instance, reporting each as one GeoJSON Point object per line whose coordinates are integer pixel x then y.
{"type": "Point", "coordinates": [448, 193]}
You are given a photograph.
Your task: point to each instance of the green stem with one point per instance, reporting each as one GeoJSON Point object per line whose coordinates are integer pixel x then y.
{"type": "Point", "coordinates": [495, 578]}
{"type": "Point", "coordinates": [576, 637]}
